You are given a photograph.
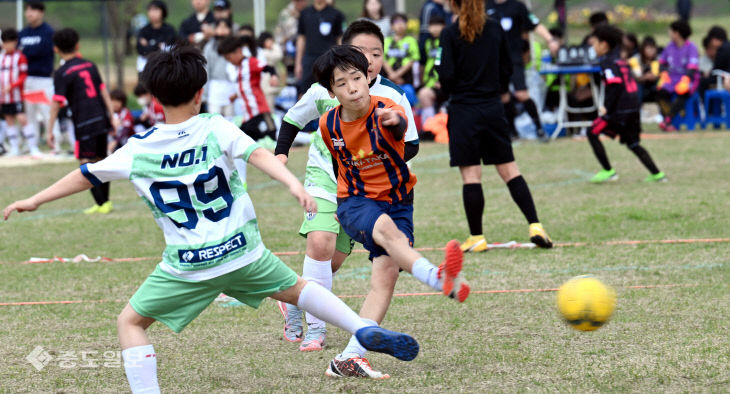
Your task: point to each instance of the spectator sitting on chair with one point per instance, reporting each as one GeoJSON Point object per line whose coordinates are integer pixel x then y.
{"type": "Point", "coordinates": [401, 53]}
{"type": "Point", "coordinates": [680, 73]}
{"type": "Point", "coordinates": [648, 72]}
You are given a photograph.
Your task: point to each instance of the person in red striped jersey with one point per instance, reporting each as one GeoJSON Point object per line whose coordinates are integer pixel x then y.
{"type": "Point", "coordinates": [241, 52]}
{"type": "Point", "coordinates": [13, 72]}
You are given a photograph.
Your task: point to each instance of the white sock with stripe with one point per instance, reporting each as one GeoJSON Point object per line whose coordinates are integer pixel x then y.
{"type": "Point", "coordinates": [319, 272]}
{"type": "Point", "coordinates": [31, 137]}
{"type": "Point", "coordinates": [354, 348]}
{"type": "Point", "coordinates": [326, 306]}
{"type": "Point", "coordinates": [427, 273]}
{"type": "Point", "coordinates": [140, 364]}
{"type": "Point", "coordinates": [13, 138]}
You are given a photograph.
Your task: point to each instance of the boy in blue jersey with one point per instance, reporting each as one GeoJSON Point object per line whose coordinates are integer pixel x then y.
{"type": "Point", "coordinates": [184, 170]}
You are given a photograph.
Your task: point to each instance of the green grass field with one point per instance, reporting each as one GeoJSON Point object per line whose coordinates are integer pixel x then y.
{"type": "Point", "coordinates": [663, 339]}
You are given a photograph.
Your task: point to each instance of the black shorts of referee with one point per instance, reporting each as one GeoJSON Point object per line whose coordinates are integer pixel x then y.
{"type": "Point", "coordinates": [479, 133]}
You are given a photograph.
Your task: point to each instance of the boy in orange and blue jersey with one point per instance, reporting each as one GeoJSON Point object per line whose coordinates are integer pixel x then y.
{"type": "Point", "coordinates": [375, 191]}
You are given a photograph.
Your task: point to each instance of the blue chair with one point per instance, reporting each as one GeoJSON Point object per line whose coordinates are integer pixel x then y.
{"type": "Point", "coordinates": [717, 105]}
{"type": "Point", "coordinates": [692, 113]}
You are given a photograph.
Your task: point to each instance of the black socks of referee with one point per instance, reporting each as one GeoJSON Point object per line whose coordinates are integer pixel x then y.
{"type": "Point", "coordinates": [100, 193]}
{"type": "Point", "coordinates": [599, 150]}
{"type": "Point", "coordinates": [474, 206]}
{"type": "Point", "coordinates": [523, 198]}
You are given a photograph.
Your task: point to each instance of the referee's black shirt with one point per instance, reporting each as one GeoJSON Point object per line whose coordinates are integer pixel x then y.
{"type": "Point", "coordinates": [472, 73]}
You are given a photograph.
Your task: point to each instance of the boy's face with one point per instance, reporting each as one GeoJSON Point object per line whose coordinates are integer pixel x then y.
{"type": "Point", "coordinates": [674, 36]}
{"type": "Point", "coordinates": [399, 26]}
{"type": "Point", "coordinates": [601, 47]}
{"type": "Point", "coordinates": [116, 105]}
{"type": "Point", "coordinates": [9, 46]}
{"type": "Point", "coordinates": [154, 14]}
{"type": "Point", "coordinates": [435, 29]}
{"type": "Point", "coordinates": [372, 48]}
{"type": "Point", "coordinates": [200, 5]}
{"type": "Point", "coordinates": [235, 57]}
{"type": "Point", "coordinates": [351, 87]}
{"type": "Point", "coordinates": [33, 17]}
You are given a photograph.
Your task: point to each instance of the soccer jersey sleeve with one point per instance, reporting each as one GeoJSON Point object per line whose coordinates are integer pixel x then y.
{"type": "Point", "coordinates": [234, 143]}
{"type": "Point", "coordinates": [115, 167]}
{"type": "Point", "coordinates": [305, 110]}
{"type": "Point", "coordinates": [411, 132]}
{"type": "Point", "coordinates": [59, 87]}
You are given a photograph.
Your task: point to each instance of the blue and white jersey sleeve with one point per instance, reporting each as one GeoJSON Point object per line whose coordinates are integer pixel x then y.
{"type": "Point", "coordinates": [115, 167]}
{"type": "Point", "coordinates": [411, 132]}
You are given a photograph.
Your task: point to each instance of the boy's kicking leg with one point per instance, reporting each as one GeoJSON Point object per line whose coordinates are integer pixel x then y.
{"type": "Point", "coordinates": [140, 359]}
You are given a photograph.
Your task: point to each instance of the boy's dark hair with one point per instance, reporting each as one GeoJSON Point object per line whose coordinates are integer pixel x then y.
{"type": "Point", "coordinates": [173, 77]}
{"type": "Point", "coordinates": [227, 21]}
{"type": "Point", "coordinates": [66, 40]}
{"type": "Point", "coordinates": [265, 35]}
{"type": "Point", "coordinates": [682, 28]}
{"type": "Point", "coordinates": [611, 35]}
{"type": "Point", "coordinates": [597, 18]}
{"type": "Point", "coordinates": [247, 27]}
{"type": "Point", "coordinates": [362, 26]}
{"type": "Point", "coordinates": [556, 32]}
{"type": "Point", "coordinates": [9, 34]}
{"type": "Point", "coordinates": [140, 89]}
{"type": "Point", "coordinates": [342, 57]}
{"type": "Point", "coordinates": [35, 5]}
{"type": "Point", "coordinates": [397, 16]}
{"type": "Point", "coordinates": [159, 4]}
{"type": "Point", "coordinates": [119, 95]}
{"type": "Point", "coordinates": [231, 44]}
{"type": "Point", "coordinates": [717, 32]}
{"type": "Point", "coordinates": [436, 20]}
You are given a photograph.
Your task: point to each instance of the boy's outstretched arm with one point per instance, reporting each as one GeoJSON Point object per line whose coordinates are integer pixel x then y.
{"type": "Point", "coordinates": [271, 166]}
{"type": "Point", "coordinates": [72, 183]}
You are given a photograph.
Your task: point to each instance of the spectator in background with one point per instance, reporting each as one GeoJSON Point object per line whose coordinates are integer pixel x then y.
{"type": "Point", "coordinates": [684, 9]}
{"type": "Point", "coordinates": [630, 46]}
{"type": "Point", "coordinates": [722, 57]}
{"type": "Point", "coordinates": [430, 9]}
{"type": "Point", "coordinates": [430, 96]}
{"type": "Point", "coordinates": [320, 28]}
{"type": "Point", "coordinates": [13, 73]}
{"type": "Point", "coordinates": [36, 42]}
{"type": "Point", "coordinates": [219, 87]}
{"type": "Point", "coordinates": [680, 75]}
{"type": "Point", "coordinates": [246, 31]}
{"type": "Point", "coordinates": [200, 26]}
{"type": "Point", "coordinates": [516, 20]}
{"type": "Point", "coordinates": [152, 111]}
{"type": "Point", "coordinates": [373, 11]}
{"type": "Point", "coordinates": [122, 118]}
{"type": "Point", "coordinates": [401, 53]}
{"type": "Point", "coordinates": [272, 54]}
{"type": "Point", "coordinates": [715, 58]}
{"type": "Point", "coordinates": [156, 35]}
{"type": "Point", "coordinates": [222, 10]}
{"type": "Point", "coordinates": [286, 35]}
{"type": "Point", "coordinates": [648, 69]}
{"type": "Point", "coordinates": [595, 20]}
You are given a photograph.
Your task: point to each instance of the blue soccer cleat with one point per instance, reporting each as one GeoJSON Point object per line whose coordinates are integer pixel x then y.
{"type": "Point", "coordinates": [401, 346]}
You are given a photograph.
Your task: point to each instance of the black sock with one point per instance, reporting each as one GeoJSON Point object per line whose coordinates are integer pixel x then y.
{"type": "Point", "coordinates": [98, 195]}
{"type": "Point", "coordinates": [531, 109]}
{"type": "Point", "coordinates": [599, 151]}
{"type": "Point", "coordinates": [105, 191]}
{"type": "Point", "coordinates": [643, 155]}
{"type": "Point", "coordinates": [523, 198]}
{"type": "Point", "coordinates": [474, 206]}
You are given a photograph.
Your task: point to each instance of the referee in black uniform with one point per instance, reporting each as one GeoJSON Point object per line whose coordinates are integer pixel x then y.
{"type": "Point", "coordinates": [475, 70]}
{"type": "Point", "coordinates": [517, 21]}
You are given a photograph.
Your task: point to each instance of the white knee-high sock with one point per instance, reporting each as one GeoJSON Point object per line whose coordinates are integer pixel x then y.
{"type": "Point", "coordinates": [31, 136]}
{"type": "Point", "coordinates": [427, 273]}
{"type": "Point", "coordinates": [319, 272]}
{"type": "Point", "coordinates": [13, 137]}
{"type": "Point", "coordinates": [320, 302]}
{"type": "Point", "coordinates": [140, 364]}
{"type": "Point", "coordinates": [354, 348]}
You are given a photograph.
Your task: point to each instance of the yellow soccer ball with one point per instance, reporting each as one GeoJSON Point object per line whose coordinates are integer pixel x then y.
{"type": "Point", "coordinates": [586, 303]}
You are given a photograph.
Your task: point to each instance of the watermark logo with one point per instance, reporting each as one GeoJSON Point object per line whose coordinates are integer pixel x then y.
{"type": "Point", "coordinates": [39, 358]}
